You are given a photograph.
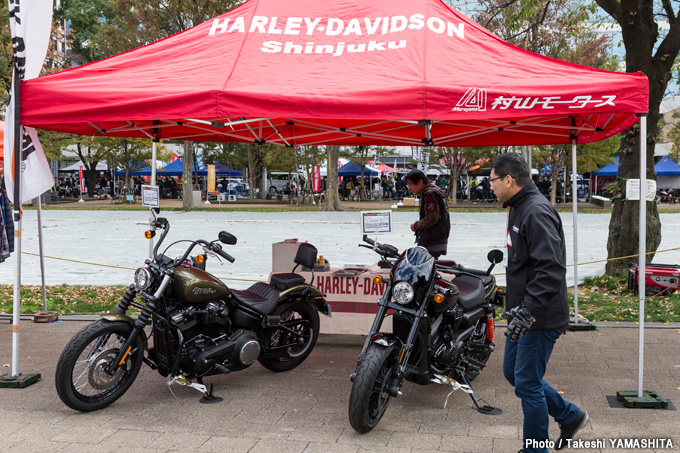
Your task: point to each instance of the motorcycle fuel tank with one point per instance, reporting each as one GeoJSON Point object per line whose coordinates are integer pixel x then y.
{"type": "Point", "coordinates": [195, 285]}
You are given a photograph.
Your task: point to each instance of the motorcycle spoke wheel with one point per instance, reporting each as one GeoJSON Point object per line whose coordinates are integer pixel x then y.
{"type": "Point", "coordinates": [81, 378]}
{"type": "Point", "coordinates": [291, 343]}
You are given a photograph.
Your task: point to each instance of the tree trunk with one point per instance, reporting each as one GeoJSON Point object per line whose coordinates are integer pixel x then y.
{"type": "Point", "coordinates": [91, 168]}
{"type": "Point", "coordinates": [187, 186]}
{"type": "Point", "coordinates": [553, 187]}
{"type": "Point", "coordinates": [332, 202]}
{"type": "Point", "coordinates": [640, 33]}
{"type": "Point", "coordinates": [624, 225]}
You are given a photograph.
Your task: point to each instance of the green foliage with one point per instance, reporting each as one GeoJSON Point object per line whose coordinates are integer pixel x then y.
{"type": "Point", "coordinates": [607, 298]}
{"type": "Point", "coordinates": [86, 18]}
{"type": "Point", "coordinates": [135, 23]}
{"type": "Point", "coordinates": [674, 137]}
{"type": "Point", "coordinates": [231, 155]}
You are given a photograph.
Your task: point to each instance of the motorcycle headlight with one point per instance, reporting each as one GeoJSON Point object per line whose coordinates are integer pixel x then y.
{"type": "Point", "coordinates": [403, 293]}
{"type": "Point", "coordinates": [143, 278]}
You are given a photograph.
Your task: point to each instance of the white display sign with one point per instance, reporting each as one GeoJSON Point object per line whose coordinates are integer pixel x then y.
{"type": "Point", "coordinates": [150, 196]}
{"type": "Point", "coordinates": [376, 222]}
{"type": "Point", "coordinates": [633, 190]}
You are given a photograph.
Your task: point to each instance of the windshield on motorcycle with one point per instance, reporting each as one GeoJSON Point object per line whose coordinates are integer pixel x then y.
{"type": "Point", "coordinates": [415, 266]}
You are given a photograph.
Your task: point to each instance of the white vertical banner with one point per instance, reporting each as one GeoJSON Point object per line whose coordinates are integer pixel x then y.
{"type": "Point", "coordinates": [30, 23]}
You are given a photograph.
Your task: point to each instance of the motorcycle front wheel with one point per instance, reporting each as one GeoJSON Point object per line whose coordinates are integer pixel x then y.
{"type": "Point", "coordinates": [293, 341]}
{"type": "Point", "coordinates": [370, 397]}
{"type": "Point", "coordinates": [81, 380]}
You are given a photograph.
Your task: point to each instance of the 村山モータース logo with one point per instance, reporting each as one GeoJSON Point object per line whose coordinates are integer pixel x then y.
{"type": "Point", "coordinates": [474, 100]}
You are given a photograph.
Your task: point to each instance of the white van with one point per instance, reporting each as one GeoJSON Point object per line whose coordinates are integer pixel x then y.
{"type": "Point", "coordinates": [278, 179]}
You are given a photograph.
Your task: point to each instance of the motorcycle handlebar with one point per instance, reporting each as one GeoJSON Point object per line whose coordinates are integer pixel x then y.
{"type": "Point", "coordinates": [460, 268]}
{"type": "Point", "coordinates": [217, 248]}
{"type": "Point", "coordinates": [382, 249]}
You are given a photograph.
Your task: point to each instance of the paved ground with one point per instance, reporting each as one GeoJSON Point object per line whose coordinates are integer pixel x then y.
{"type": "Point", "coordinates": [350, 205]}
{"type": "Point", "coordinates": [305, 410]}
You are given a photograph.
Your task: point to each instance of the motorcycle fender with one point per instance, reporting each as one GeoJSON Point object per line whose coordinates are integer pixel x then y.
{"type": "Point", "coordinates": [113, 317]}
{"type": "Point", "coordinates": [294, 294]}
{"type": "Point", "coordinates": [385, 340]}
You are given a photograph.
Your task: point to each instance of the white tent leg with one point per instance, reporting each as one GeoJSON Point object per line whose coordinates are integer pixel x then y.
{"type": "Point", "coordinates": [643, 247]}
{"type": "Point", "coordinates": [42, 256]}
{"type": "Point", "coordinates": [574, 197]}
{"type": "Point", "coordinates": [17, 287]}
{"type": "Point", "coordinates": [154, 150]}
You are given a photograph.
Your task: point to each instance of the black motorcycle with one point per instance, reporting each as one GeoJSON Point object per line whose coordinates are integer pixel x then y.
{"type": "Point", "coordinates": [443, 331]}
{"type": "Point", "coordinates": [198, 326]}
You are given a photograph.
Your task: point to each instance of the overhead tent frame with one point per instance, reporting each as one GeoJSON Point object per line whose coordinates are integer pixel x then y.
{"type": "Point", "coordinates": [291, 131]}
{"type": "Point", "coordinates": [411, 100]}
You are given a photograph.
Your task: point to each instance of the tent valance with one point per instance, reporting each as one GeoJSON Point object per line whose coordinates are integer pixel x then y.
{"type": "Point", "coordinates": [385, 72]}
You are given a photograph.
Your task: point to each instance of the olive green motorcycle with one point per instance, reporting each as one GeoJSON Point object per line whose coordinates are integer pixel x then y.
{"type": "Point", "coordinates": [197, 326]}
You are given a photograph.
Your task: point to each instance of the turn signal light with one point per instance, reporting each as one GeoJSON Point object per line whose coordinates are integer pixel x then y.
{"type": "Point", "coordinates": [200, 259]}
{"type": "Point", "coordinates": [149, 234]}
{"type": "Point", "coordinates": [439, 298]}
{"type": "Point", "coordinates": [378, 280]}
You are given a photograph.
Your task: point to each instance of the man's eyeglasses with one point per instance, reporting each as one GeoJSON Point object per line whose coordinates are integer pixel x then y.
{"type": "Point", "coordinates": [497, 177]}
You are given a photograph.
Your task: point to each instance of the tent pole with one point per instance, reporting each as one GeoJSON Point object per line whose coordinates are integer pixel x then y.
{"type": "Point", "coordinates": [574, 197]}
{"type": "Point", "coordinates": [154, 150]}
{"type": "Point", "coordinates": [643, 247]}
{"type": "Point", "coordinates": [42, 255]}
{"type": "Point", "coordinates": [17, 227]}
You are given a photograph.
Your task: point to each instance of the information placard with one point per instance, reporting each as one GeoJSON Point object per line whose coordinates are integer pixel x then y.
{"type": "Point", "coordinates": [633, 189]}
{"type": "Point", "coordinates": [150, 196]}
{"type": "Point", "coordinates": [376, 222]}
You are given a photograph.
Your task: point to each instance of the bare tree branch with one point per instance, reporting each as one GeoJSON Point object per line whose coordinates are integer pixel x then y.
{"type": "Point", "coordinates": [498, 11]}
{"type": "Point", "coordinates": [612, 7]}
{"type": "Point", "coordinates": [669, 10]}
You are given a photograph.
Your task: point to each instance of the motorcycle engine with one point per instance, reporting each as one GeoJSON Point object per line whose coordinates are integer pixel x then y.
{"type": "Point", "coordinates": [446, 346]}
{"type": "Point", "coordinates": [210, 344]}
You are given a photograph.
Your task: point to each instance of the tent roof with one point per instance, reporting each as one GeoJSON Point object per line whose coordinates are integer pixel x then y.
{"type": "Point", "coordinates": [609, 169]}
{"type": "Point", "coordinates": [352, 168]}
{"type": "Point", "coordinates": [666, 167]}
{"type": "Point", "coordinates": [385, 72]}
{"type": "Point", "coordinates": [174, 168]}
{"type": "Point", "coordinates": [220, 171]}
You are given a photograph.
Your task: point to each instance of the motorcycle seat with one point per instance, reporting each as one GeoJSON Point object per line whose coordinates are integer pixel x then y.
{"type": "Point", "coordinates": [471, 291]}
{"type": "Point", "coordinates": [261, 297]}
{"type": "Point", "coordinates": [287, 280]}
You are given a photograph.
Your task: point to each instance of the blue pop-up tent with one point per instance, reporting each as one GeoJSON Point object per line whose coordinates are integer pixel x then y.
{"type": "Point", "coordinates": [667, 174]}
{"type": "Point", "coordinates": [609, 169]}
{"type": "Point", "coordinates": [172, 169]}
{"type": "Point", "coordinates": [351, 168]}
{"type": "Point", "coordinates": [666, 167]}
{"type": "Point", "coordinates": [221, 171]}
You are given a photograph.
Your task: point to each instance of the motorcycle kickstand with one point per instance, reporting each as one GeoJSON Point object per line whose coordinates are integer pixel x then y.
{"type": "Point", "coordinates": [486, 409]}
{"type": "Point", "coordinates": [209, 397]}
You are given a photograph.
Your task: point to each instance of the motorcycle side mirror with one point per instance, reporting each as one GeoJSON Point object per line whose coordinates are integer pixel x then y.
{"type": "Point", "coordinates": [227, 238]}
{"type": "Point", "coordinates": [495, 256]}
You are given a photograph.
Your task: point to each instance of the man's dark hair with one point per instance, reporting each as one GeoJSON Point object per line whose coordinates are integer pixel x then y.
{"type": "Point", "coordinates": [415, 176]}
{"type": "Point", "coordinates": [514, 165]}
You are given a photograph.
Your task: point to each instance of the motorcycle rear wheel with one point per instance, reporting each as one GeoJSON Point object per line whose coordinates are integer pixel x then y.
{"type": "Point", "coordinates": [304, 339]}
{"type": "Point", "coordinates": [80, 379]}
{"type": "Point", "coordinates": [369, 397]}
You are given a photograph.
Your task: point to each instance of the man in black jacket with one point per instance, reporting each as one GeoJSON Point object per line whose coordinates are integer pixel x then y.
{"type": "Point", "coordinates": [432, 230]}
{"type": "Point", "coordinates": [537, 309]}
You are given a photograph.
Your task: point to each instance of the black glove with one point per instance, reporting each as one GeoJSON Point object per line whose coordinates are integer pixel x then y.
{"type": "Point", "coordinates": [521, 320]}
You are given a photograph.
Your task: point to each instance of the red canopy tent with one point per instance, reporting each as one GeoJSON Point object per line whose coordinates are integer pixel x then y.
{"type": "Point", "coordinates": [348, 72]}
